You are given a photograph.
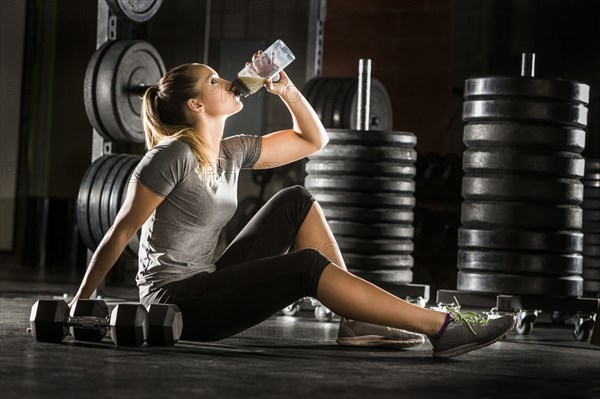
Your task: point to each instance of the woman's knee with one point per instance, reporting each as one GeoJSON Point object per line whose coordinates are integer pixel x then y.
{"type": "Point", "coordinates": [312, 263]}
{"type": "Point", "coordinates": [295, 193]}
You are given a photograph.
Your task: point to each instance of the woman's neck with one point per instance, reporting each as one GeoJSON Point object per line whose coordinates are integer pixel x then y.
{"type": "Point", "coordinates": [211, 130]}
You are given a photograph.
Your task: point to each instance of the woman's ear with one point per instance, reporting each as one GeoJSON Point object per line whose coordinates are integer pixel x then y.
{"type": "Point", "coordinates": [195, 105]}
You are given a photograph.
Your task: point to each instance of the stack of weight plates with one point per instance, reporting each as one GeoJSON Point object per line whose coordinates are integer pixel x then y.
{"type": "Point", "coordinates": [101, 194]}
{"type": "Point", "coordinates": [335, 102]}
{"type": "Point", "coordinates": [591, 228]}
{"type": "Point", "coordinates": [363, 181]}
{"type": "Point", "coordinates": [521, 216]}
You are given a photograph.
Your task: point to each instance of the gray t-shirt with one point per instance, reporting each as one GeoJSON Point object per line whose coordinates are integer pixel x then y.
{"type": "Point", "coordinates": [179, 239]}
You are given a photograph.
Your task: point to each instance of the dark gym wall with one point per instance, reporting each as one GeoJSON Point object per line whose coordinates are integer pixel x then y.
{"type": "Point", "coordinates": [410, 45]}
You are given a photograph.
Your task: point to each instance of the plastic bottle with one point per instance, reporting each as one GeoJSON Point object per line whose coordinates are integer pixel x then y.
{"type": "Point", "coordinates": [266, 66]}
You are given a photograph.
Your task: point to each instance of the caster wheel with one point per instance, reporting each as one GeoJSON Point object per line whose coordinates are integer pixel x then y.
{"type": "Point", "coordinates": [291, 310]}
{"type": "Point", "coordinates": [323, 314]}
{"type": "Point", "coordinates": [525, 321]}
{"type": "Point", "coordinates": [583, 328]}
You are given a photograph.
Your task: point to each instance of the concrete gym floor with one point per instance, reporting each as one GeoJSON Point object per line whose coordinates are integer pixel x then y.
{"type": "Point", "coordinates": [282, 357]}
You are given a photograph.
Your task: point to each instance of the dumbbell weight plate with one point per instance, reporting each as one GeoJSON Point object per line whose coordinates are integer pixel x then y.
{"type": "Point", "coordinates": [516, 214]}
{"type": "Point", "coordinates": [374, 263]}
{"type": "Point", "coordinates": [95, 199]}
{"type": "Point", "coordinates": [105, 222]}
{"type": "Point", "coordinates": [590, 205]}
{"type": "Point", "coordinates": [506, 160]}
{"type": "Point", "coordinates": [370, 138]}
{"type": "Point", "coordinates": [129, 324]}
{"type": "Point", "coordinates": [384, 276]}
{"type": "Point", "coordinates": [571, 286]}
{"type": "Point", "coordinates": [338, 116]}
{"type": "Point", "coordinates": [522, 188]}
{"type": "Point", "coordinates": [518, 263]}
{"type": "Point", "coordinates": [591, 286]}
{"type": "Point", "coordinates": [591, 274]}
{"type": "Point", "coordinates": [591, 250]}
{"type": "Point", "coordinates": [374, 246]}
{"type": "Point", "coordinates": [367, 215]}
{"type": "Point", "coordinates": [364, 200]}
{"type": "Point", "coordinates": [365, 153]}
{"type": "Point", "coordinates": [521, 135]}
{"type": "Point", "coordinates": [327, 168]}
{"type": "Point", "coordinates": [136, 11]}
{"type": "Point", "coordinates": [512, 86]}
{"type": "Point", "coordinates": [360, 184]}
{"type": "Point", "coordinates": [591, 262]}
{"type": "Point", "coordinates": [556, 241]}
{"type": "Point", "coordinates": [48, 320]}
{"type": "Point", "coordinates": [83, 202]}
{"type": "Point", "coordinates": [591, 239]}
{"type": "Point", "coordinates": [371, 230]}
{"type": "Point", "coordinates": [165, 324]}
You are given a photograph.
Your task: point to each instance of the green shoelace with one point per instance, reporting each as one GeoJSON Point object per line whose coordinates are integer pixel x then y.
{"type": "Point", "coordinates": [467, 317]}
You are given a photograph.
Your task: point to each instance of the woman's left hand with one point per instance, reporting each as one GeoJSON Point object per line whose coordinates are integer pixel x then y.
{"type": "Point", "coordinates": [283, 87]}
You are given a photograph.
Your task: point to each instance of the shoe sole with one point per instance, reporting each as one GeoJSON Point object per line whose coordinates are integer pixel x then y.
{"type": "Point", "coordinates": [377, 341]}
{"type": "Point", "coordinates": [471, 347]}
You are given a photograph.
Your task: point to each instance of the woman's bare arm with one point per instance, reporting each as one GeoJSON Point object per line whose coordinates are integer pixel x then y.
{"type": "Point", "coordinates": [139, 204]}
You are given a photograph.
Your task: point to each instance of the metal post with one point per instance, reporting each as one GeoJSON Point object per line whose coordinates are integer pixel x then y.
{"type": "Point", "coordinates": [528, 65]}
{"type": "Point", "coordinates": [364, 94]}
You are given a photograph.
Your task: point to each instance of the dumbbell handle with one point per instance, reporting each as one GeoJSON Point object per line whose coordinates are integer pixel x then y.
{"type": "Point", "coordinates": [90, 322]}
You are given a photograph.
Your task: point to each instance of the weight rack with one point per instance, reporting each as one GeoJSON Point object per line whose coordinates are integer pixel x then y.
{"type": "Point", "coordinates": [527, 307]}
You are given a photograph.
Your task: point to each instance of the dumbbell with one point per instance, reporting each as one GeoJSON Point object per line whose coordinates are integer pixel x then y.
{"type": "Point", "coordinates": [130, 324]}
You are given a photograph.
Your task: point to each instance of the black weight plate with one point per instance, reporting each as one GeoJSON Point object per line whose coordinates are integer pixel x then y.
{"type": "Point", "coordinates": [591, 250]}
{"type": "Point", "coordinates": [105, 222]}
{"type": "Point", "coordinates": [591, 239]}
{"type": "Point", "coordinates": [592, 216]}
{"type": "Point", "coordinates": [307, 89]}
{"type": "Point", "coordinates": [522, 188]}
{"type": "Point", "coordinates": [516, 214]}
{"type": "Point", "coordinates": [384, 276]}
{"type": "Point", "coordinates": [591, 286]}
{"type": "Point", "coordinates": [313, 96]}
{"type": "Point", "coordinates": [364, 200]}
{"type": "Point", "coordinates": [371, 230]}
{"type": "Point", "coordinates": [592, 165]}
{"type": "Point", "coordinates": [92, 91]}
{"type": "Point", "coordinates": [320, 99]}
{"type": "Point", "coordinates": [338, 109]}
{"type": "Point", "coordinates": [372, 215]}
{"type": "Point", "coordinates": [380, 108]}
{"type": "Point", "coordinates": [557, 241]}
{"type": "Point", "coordinates": [521, 135]}
{"type": "Point", "coordinates": [590, 205]}
{"type": "Point", "coordinates": [370, 138]}
{"type": "Point", "coordinates": [121, 181]}
{"type": "Point", "coordinates": [378, 262]}
{"type": "Point", "coordinates": [375, 246]}
{"type": "Point", "coordinates": [591, 274]}
{"type": "Point", "coordinates": [83, 202]}
{"type": "Point", "coordinates": [327, 168]}
{"type": "Point", "coordinates": [360, 184]}
{"type": "Point", "coordinates": [571, 286]}
{"type": "Point", "coordinates": [519, 86]}
{"type": "Point", "coordinates": [590, 226]}
{"type": "Point", "coordinates": [126, 66]}
{"type": "Point", "coordinates": [122, 186]}
{"type": "Point", "coordinates": [508, 160]}
{"type": "Point", "coordinates": [365, 153]}
{"type": "Point", "coordinates": [330, 97]}
{"type": "Point", "coordinates": [98, 186]}
{"type": "Point", "coordinates": [520, 263]}
{"type": "Point", "coordinates": [137, 11]}
{"type": "Point", "coordinates": [591, 262]}
{"type": "Point", "coordinates": [592, 186]}
{"type": "Point", "coordinates": [525, 110]}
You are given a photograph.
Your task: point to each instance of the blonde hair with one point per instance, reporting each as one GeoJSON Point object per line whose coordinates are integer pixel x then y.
{"type": "Point", "coordinates": [164, 116]}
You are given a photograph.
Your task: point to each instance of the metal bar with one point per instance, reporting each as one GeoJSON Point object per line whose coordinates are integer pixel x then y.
{"type": "Point", "coordinates": [364, 94]}
{"type": "Point", "coordinates": [528, 65]}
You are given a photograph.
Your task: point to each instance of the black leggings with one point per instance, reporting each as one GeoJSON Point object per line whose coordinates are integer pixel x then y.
{"type": "Point", "coordinates": [255, 276]}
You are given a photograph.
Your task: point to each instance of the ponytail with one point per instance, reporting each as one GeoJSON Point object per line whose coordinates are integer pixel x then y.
{"type": "Point", "coordinates": [180, 84]}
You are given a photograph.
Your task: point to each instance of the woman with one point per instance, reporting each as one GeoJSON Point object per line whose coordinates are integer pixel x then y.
{"type": "Point", "coordinates": [184, 192]}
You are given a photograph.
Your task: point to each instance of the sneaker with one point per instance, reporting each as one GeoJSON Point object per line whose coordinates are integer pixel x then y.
{"type": "Point", "coordinates": [358, 333]}
{"type": "Point", "coordinates": [468, 331]}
